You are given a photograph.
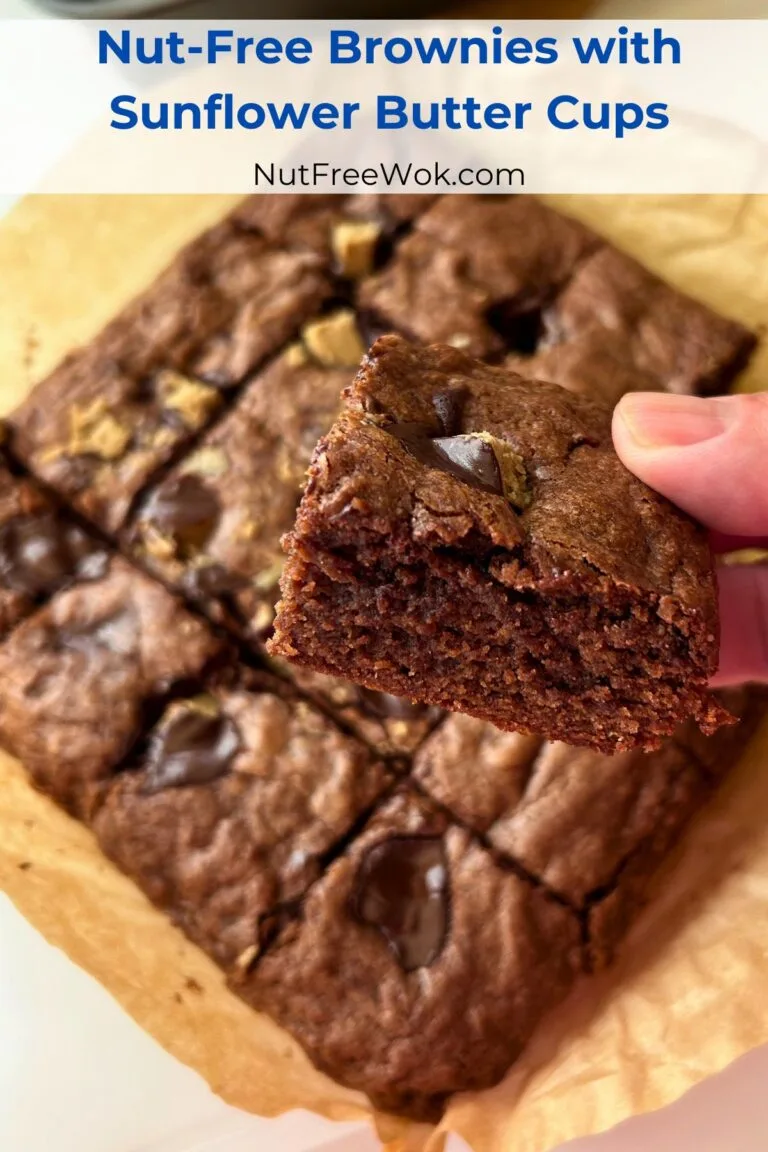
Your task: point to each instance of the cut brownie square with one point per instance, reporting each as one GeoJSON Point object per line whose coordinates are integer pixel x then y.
{"type": "Point", "coordinates": [617, 328]}
{"type": "Point", "coordinates": [505, 273]}
{"type": "Point", "coordinates": [212, 527]}
{"type": "Point", "coordinates": [476, 273]}
{"type": "Point", "coordinates": [570, 817]}
{"type": "Point", "coordinates": [354, 234]}
{"type": "Point", "coordinates": [101, 424]}
{"type": "Point", "coordinates": [469, 539]}
{"type": "Point", "coordinates": [81, 677]}
{"type": "Point", "coordinates": [593, 828]}
{"type": "Point", "coordinates": [417, 966]}
{"type": "Point", "coordinates": [229, 812]}
{"type": "Point", "coordinates": [41, 550]}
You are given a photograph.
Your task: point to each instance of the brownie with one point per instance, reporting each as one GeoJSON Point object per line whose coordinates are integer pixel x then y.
{"type": "Point", "coordinates": [417, 966]}
{"type": "Point", "coordinates": [230, 810]}
{"type": "Point", "coordinates": [41, 549]}
{"type": "Point", "coordinates": [617, 328]}
{"type": "Point", "coordinates": [469, 539]}
{"type": "Point", "coordinates": [81, 677]}
{"type": "Point", "coordinates": [212, 526]}
{"type": "Point", "coordinates": [100, 425]}
{"type": "Point", "coordinates": [476, 272]}
{"type": "Point", "coordinates": [571, 817]}
{"type": "Point", "coordinates": [393, 725]}
{"type": "Point", "coordinates": [506, 274]}
{"type": "Point", "coordinates": [353, 233]}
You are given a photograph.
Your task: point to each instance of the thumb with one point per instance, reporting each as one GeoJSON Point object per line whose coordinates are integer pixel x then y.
{"type": "Point", "coordinates": [710, 457]}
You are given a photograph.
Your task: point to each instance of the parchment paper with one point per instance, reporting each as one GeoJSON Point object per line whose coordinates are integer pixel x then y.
{"type": "Point", "coordinates": [689, 995]}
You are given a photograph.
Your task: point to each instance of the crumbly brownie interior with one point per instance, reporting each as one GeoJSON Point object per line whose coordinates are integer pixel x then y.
{"type": "Point", "coordinates": [408, 893]}
{"type": "Point", "coordinates": [453, 545]}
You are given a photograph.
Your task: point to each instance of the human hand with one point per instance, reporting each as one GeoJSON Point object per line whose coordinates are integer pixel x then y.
{"type": "Point", "coordinates": [710, 457]}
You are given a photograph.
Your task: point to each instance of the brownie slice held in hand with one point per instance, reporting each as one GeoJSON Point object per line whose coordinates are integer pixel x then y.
{"type": "Point", "coordinates": [470, 539]}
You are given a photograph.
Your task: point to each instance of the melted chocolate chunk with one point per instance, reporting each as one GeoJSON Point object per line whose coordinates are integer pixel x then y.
{"type": "Point", "coordinates": [468, 458]}
{"type": "Point", "coordinates": [402, 889]}
{"type": "Point", "coordinates": [40, 553]}
{"type": "Point", "coordinates": [449, 407]}
{"type": "Point", "coordinates": [186, 510]}
{"type": "Point", "coordinates": [192, 748]}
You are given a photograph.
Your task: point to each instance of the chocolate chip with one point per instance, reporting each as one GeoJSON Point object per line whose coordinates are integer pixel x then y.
{"type": "Point", "coordinates": [194, 747]}
{"type": "Point", "coordinates": [468, 458]}
{"type": "Point", "coordinates": [185, 509]}
{"type": "Point", "coordinates": [39, 553]}
{"type": "Point", "coordinates": [402, 889]}
{"type": "Point", "coordinates": [449, 407]}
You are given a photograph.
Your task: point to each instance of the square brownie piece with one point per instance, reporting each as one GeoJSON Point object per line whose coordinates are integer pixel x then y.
{"type": "Point", "coordinates": [212, 526]}
{"type": "Point", "coordinates": [111, 414]}
{"type": "Point", "coordinates": [496, 274]}
{"type": "Point", "coordinates": [470, 539]}
{"type": "Point", "coordinates": [82, 676]}
{"type": "Point", "coordinates": [476, 273]}
{"type": "Point", "coordinates": [417, 966]}
{"type": "Point", "coordinates": [240, 794]}
{"type": "Point", "coordinates": [41, 549]}
{"type": "Point", "coordinates": [617, 328]}
{"type": "Point", "coordinates": [589, 827]}
{"type": "Point", "coordinates": [593, 828]}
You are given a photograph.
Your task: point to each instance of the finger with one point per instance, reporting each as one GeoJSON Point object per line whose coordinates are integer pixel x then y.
{"type": "Point", "coordinates": [743, 625]}
{"type": "Point", "coordinates": [720, 542]}
{"type": "Point", "coordinates": [708, 456]}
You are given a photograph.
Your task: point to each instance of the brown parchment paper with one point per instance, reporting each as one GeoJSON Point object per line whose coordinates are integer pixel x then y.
{"type": "Point", "coordinates": [689, 995]}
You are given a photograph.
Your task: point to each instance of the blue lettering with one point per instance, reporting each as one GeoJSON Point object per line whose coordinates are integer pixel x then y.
{"type": "Point", "coordinates": [390, 112]}
{"type": "Point", "coordinates": [122, 106]}
{"type": "Point", "coordinates": [553, 109]}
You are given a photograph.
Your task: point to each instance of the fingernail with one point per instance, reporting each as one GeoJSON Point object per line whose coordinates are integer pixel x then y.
{"type": "Point", "coordinates": [663, 421]}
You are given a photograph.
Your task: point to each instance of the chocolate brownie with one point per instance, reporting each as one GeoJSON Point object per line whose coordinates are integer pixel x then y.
{"type": "Point", "coordinates": [41, 549]}
{"type": "Point", "coordinates": [81, 677]}
{"type": "Point", "coordinates": [617, 328]}
{"type": "Point", "coordinates": [99, 426]}
{"type": "Point", "coordinates": [231, 809]}
{"type": "Point", "coordinates": [417, 966]}
{"type": "Point", "coordinates": [496, 274]}
{"type": "Point", "coordinates": [476, 272]}
{"type": "Point", "coordinates": [593, 828]}
{"type": "Point", "coordinates": [212, 527]}
{"type": "Point", "coordinates": [354, 233]}
{"type": "Point", "coordinates": [470, 539]}
{"type": "Point", "coordinates": [568, 816]}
